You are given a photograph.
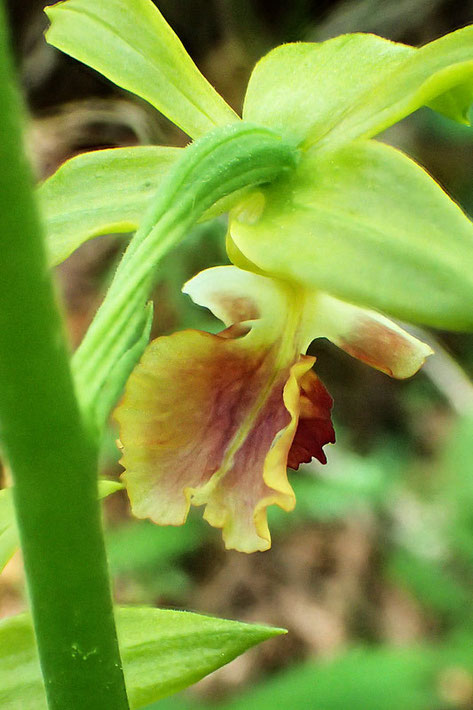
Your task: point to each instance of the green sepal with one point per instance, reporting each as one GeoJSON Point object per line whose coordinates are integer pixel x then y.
{"type": "Point", "coordinates": [132, 45]}
{"type": "Point", "coordinates": [9, 541]}
{"type": "Point", "coordinates": [163, 651]}
{"type": "Point", "coordinates": [328, 94]}
{"type": "Point", "coordinates": [369, 226]}
{"type": "Point", "coordinates": [306, 88]}
{"type": "Point", "coordinates": [101, 192]}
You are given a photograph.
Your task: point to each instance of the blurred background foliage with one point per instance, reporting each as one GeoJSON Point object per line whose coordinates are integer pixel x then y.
{"type": "Point", "coordinates": [373, 573]}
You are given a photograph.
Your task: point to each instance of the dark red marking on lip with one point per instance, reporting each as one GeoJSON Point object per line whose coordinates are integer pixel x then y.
{"type": "Point", "coordinates": [314, 428]}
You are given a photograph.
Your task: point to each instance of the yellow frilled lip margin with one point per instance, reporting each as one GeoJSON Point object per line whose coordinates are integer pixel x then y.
{"type": "Point", "coordinates": [206, 420]}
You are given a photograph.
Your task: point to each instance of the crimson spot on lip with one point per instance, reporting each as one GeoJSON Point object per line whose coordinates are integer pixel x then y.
{"type": "Point", "coordinates": [314, 428]}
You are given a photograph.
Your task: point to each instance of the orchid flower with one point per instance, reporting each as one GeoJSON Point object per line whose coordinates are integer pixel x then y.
{"type": "Point", "coordinates": [339, 231]}
{"type": "Point", "coordinates": [215, 420]}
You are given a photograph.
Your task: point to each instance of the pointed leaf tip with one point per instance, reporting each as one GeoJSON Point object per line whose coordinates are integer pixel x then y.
{"type": "Point", "coordinates": [163, 651]}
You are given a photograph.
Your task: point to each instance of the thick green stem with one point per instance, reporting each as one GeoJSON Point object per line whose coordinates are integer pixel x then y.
{"type": "Point", "coordinates": [219, 164]}
{"type": "Point", "coordinates": [52, 460]}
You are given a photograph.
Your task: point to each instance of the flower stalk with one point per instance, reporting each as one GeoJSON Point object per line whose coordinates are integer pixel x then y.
{"type": "Point", "coordinates": [52, 460]}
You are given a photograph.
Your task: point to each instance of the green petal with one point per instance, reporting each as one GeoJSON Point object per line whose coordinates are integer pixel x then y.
{"type": "Point", "coordinates": [103, 192]}
{"type": "Point", "coordinates": [357, 85]}
{"type": "Point", "coordinates": [132, 44]}
{"type": "Point", "coordinates": [368, 226]}
{"type": "Point", "coordinates": [163, 651]}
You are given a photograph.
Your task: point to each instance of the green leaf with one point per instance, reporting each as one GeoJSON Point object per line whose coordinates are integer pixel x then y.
{"type": "Point", "coordinates": [8, 533]}
{"type": "Point", "coordinates": [132, 44]}
{"type": "Point", "coordinates": [369, 226]}
{"type": "Point", "coordinates": [9, 541]}
{"type": "Point", "coordinates": [357, 85]}
{"type": "Point", "coordinates": [106, 487]}
{"type": "Point", "coordinates": [163, 651]}
{"type": "Point", "coordinates": [102, 192]}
